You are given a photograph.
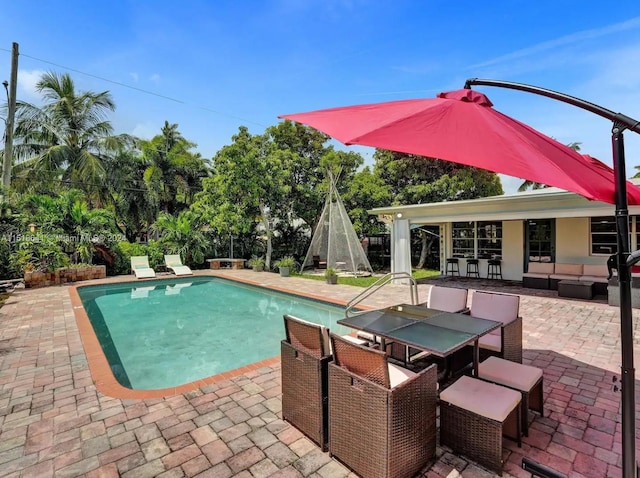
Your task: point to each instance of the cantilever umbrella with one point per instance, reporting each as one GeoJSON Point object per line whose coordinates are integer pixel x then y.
{"type": "Point", "coordinates": [461, 126]}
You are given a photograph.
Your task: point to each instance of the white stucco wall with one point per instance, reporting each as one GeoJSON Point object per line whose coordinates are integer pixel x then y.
{"type": "Point", "coordinates": [573, 243]}
{"type": "Point", "coordinates": [512, 249]}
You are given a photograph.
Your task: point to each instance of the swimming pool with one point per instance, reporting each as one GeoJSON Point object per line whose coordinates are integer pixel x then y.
{"type": "Point", "coordinates": [162, 334]}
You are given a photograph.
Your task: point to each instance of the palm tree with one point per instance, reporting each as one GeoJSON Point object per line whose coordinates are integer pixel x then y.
{"type": "Point", "coordinates": [66, 140]}
{"type": "Point", "coordinates": [173, 173]}
{"type": "Point", "coordinates": [184, 235]}
{"type": "Point", "coordinates": [533, 185]}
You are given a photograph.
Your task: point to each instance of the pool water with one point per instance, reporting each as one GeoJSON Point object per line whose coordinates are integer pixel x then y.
{"type": "Point", "coordinates": [162, 334]}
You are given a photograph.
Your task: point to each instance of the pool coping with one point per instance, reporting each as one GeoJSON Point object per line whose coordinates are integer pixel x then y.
{"type": "Point", "coordinates": [101, 372]}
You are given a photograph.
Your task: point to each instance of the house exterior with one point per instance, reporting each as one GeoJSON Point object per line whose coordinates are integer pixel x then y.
{"type": "Point", "coordinates": [544, 225]}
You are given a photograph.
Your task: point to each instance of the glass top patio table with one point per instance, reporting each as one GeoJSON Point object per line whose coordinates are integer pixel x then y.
{"type": "Point", "coordinates": [436, 331]}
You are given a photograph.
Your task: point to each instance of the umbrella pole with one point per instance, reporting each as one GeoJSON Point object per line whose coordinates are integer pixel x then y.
{"type": "Point", "coordinates": [620, 123]}
{"type": "Point", "coordinates": [626, 317]}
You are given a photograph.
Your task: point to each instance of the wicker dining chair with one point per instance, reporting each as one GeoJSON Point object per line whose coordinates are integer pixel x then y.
{"type": "Point", "coordinates": [505, 342]}
{"type": "Point", "coordinates": [382, 417]}
{"type": "Point", "coordinates": [305, 354]}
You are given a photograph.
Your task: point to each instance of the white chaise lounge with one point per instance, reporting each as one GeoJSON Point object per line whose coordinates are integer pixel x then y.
{"type": "Point", "coordinates": [140, 267]}
{"type": "Point", "coordinates": [174, 263]}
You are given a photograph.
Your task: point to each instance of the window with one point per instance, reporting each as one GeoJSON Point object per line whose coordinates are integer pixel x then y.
{"type": "Point", "coordinates": [604, 238]}
{"type": "Point", "coordinates": [481, 239]}
{"type": "Point", "coordinates": [540, 236]}
{"type": "Point", "coordinates": [489, 239]}
{"type": "Point", "coordinates": [464, 239]}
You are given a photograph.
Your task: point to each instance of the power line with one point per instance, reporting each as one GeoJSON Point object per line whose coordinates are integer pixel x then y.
{"type": "Point", "coordinates": [141, 90]}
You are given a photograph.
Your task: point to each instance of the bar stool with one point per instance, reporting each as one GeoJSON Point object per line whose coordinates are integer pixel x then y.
{"type": "Point", "coordinates": [472, 268]}
{"type": "Point", "coordinates": [494, 270]}
{"type": "Point", "coordinates": [452, 266]}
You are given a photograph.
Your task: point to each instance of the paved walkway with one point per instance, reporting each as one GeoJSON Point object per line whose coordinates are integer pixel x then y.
{"type": "Point", "coordinates": [54, 422]}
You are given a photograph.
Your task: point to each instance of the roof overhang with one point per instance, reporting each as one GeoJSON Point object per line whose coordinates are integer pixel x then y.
{"type": "Point", "coordinates": [537, 204]}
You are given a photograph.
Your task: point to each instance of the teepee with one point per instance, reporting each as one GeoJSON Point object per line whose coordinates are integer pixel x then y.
{"type": "Point", "coordinates": [335, 242]}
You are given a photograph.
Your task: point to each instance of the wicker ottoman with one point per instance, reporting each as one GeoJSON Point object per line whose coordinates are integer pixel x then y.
{"type": "Point", "coordinates": [474, 415]}
{"type": "Point", "coordinates": [575, 289]}
{"type": "Point", "coordinates": [523, 378]}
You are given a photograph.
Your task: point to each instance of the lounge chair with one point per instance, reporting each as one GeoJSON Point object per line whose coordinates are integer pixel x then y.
{"type": "Point", "coordinates": [174, 263]}
{"type": "Point", "coordinates": [140, 267]}
{"type": "Point", "coordinates": [141, 292]}
{"type": "Point", "coordinates": [175, 289]}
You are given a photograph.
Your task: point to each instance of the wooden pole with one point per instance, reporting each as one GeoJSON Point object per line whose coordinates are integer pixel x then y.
{"type": "Point", "coordinates": [11, 98]}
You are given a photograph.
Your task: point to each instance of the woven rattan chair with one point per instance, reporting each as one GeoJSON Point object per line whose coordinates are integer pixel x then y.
{"type": "Point", "coordinates": [305, 355]}
{"type": "Point", "coordinates": [505, 342]}
{"type": "Point", "coordinates": [382, 418]}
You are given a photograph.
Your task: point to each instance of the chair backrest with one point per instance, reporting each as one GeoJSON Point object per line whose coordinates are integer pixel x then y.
{"type": "Point", "coordinates": [365, 362]}
{"type": "Point", "coordinates": [139, 261]}
{"type": "Point", "coordinates": [172, 260]}
{"type": "Point", "coordinates": [449, 299]}
{"type": "Point", "coordinates": [307, 336]}
{"type": "Point", "coordinates": [495, 306]}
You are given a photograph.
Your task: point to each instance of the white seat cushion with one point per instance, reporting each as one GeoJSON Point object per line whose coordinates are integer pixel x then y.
{"type": "Point", "coordinates": [419, 355]}
{"type": "Point", "coordinates": [483, 398]}
{"type": "Point", "coordinates": [366, 336]}
{"type": "Point", "coordinates": [491, 342]}
{"type": "Point", "coordinates": [510, 374]}
{"type": "Point", "coordinates": [355, 340]}
{"type": "Point", "coordinates": [397, 375]}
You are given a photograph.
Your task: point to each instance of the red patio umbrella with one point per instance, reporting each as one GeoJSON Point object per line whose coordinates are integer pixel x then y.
{"type": "Point", "coordinates": [461, 126]}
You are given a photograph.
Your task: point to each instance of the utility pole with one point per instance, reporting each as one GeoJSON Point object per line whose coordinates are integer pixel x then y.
{"type": "Point", "coordinates": [11, 98]}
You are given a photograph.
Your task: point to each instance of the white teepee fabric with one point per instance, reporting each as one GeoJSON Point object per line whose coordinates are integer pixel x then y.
{"type": "Point", "coordinates": [335, 240]}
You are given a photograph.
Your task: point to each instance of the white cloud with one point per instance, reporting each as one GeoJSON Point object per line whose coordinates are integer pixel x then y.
{"type": "Point", "coordinates": [27, 81]}
{"type": "Point", "coordinates": [155, 78]}
{"type": "Point", "coordinates": [145, 130]}
{"type": "Point", "coordinates": [134, 76]}
{"type": "Point", "coordinates": [573, 38]}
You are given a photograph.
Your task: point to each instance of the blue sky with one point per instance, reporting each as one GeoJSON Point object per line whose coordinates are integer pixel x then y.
{"type": "Point", "coordinates": [215, 65]}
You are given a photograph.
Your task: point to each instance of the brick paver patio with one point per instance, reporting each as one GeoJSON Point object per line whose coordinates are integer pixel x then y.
{"type": "Point", "coordinates": [55, 422]}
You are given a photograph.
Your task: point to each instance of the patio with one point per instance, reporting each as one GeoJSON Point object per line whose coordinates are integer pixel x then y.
{"type": "Point", "coordinates": [54, 422]}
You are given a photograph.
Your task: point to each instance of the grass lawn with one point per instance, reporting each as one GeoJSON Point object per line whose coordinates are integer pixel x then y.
{"type": "Point", "coordinates": [367, 281]}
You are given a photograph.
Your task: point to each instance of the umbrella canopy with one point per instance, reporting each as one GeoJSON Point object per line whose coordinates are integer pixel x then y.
{"type": "Point", "coordinates": [461, 126]}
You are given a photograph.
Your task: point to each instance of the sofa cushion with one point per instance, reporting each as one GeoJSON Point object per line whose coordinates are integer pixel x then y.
{"type": "Point", "coordinates": [541, 268]}
{"type": "Point", "coordinates": [536, 275]}
{"type": "Point", "coordinates": [599, 279]}
{"type": "Point", "coordinates": [595, 270]}
{"type": "Point", "coordinates": [568, 269]}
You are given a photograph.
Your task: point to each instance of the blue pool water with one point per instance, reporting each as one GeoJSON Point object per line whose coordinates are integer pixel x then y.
{"type": "Point", "coordinates": [166, 333]}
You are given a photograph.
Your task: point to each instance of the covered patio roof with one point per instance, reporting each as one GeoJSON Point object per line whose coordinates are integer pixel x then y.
{"type": "Point", "coordinates": [536, 204]}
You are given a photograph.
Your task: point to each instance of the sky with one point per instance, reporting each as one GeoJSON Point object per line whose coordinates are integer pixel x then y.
{"type": "Point", "coordinates": [213, 66]}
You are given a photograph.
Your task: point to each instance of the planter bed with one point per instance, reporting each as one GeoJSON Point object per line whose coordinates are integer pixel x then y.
{"type": "Point", "coordinates": [63, 275]}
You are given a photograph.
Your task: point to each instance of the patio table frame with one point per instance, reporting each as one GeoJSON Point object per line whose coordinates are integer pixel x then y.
{"type": "Point", "coordinates": [438, 332]}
